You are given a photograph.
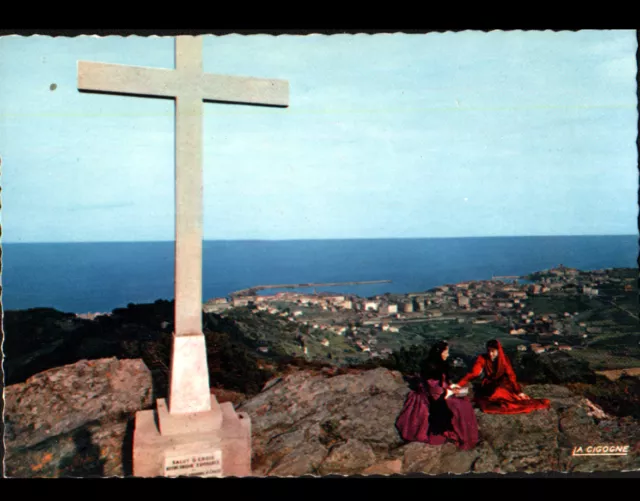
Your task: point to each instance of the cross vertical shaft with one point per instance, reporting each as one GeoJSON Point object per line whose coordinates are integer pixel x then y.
{"type": "Point", "coordinates": [188, 195]}
{"type": "Point", "coordinates": [189, 384]}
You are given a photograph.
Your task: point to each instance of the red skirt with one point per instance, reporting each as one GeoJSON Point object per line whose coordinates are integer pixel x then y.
{"type": "Point", "coordinates": [504, 401]}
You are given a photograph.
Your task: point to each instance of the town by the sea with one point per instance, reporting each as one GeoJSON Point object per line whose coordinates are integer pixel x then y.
{"type": "Point", "coordinates": [98, 277]}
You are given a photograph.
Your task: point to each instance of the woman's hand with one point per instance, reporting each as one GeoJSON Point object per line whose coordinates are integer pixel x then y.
{"type": "Point", "coordinates": [454, 386]}
{"type": "Point", "coordinates": [449, 393]}
{"type": "Point", "coordinates": [523, 396]}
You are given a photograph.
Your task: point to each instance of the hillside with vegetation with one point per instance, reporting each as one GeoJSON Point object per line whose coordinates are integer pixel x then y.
{"type": "Point", "coordinates": [248, 345]}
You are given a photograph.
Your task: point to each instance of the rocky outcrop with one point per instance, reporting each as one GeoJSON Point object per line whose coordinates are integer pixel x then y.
{"type": "Point", "coordinates": [310, 423]}
{"type": "Point", "coordinates": [75, 420]}
{"type": "Point", "coordinates": [298, 419]}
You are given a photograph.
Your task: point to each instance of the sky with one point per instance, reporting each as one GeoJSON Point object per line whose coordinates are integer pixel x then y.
{"type": "Point", "coordinates": [386, 136]}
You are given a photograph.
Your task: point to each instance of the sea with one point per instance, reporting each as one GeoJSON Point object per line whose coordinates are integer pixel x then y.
{"type": "Point", "coordinates": [99, 277]}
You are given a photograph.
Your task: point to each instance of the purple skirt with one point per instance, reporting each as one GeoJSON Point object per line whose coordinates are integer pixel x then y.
{"type": "Point", "coordinates": [436, 422]}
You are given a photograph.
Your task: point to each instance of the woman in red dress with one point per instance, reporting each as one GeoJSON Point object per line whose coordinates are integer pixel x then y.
{"type": "Point", "coordinates": [432, 413]}
{"type": "Point", "coordinates": [499, 392]}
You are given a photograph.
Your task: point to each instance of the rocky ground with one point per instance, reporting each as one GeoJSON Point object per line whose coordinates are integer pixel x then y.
{"type": "Point", "coordinates": [77, 420]}
{"type": "Point", "coordinates": [315, 424]}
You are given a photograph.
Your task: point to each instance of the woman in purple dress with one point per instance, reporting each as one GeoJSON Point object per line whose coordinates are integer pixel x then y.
{"type": "Point", "coordinates": [433, 413]}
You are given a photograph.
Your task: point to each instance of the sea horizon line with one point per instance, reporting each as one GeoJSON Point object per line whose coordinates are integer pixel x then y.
{"type": "Point", "coordinates": [463, 237]}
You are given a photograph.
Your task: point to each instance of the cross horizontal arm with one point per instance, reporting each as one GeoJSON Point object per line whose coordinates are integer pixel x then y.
{"type": "Point", "coordinates": [268, 92]}
{"type": "Point", "coordinates": [133, 80]}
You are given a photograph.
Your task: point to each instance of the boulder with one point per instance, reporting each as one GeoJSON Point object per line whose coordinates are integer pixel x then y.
{"type": "Point", "coordinates": [305, 410]}
{"type": "Point", "coordinates": [418, 457]}
{"type": "Point", "coordinates": [488, 460]}
{"type": "Point", "coordinates": [347, 458]}
{"type": "Point", "coordinates": [307, 423]}
{"type": "Point", "coordinates": [75, 420]}
{"type": "Point", "coordinates": [389, 467]}
{"type": "Point", "coordinates": [304, 460]}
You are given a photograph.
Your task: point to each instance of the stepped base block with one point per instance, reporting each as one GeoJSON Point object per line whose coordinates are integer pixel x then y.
{"type": "Point", "coordinates": [215, 443]}
{"type": "Point", "coordinates": [193, 422]}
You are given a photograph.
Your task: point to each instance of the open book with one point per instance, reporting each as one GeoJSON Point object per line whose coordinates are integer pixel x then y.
{"type": "Point", "coordinates": [462, 392]}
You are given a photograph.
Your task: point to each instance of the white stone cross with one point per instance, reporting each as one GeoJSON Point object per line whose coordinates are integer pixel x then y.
{"type": "Point", "coordinates": [189, 387]}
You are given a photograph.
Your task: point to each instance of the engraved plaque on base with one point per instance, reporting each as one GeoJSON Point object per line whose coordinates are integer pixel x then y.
{"type": "Point", "coordinates": [207, 464]}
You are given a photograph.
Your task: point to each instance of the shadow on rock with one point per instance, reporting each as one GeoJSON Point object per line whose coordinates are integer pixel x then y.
{"type": "Point", "coordinates": [86, 461]}
{"type": "Point", "coordinates": [127, 449]}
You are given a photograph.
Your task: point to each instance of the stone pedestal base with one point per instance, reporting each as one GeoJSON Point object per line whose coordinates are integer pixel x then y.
{"type": "Point", "coordinates": [216, 443]}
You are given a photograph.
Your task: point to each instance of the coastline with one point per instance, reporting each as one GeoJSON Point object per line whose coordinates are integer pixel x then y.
{"type": "Point", "coordinates": [99, 277]}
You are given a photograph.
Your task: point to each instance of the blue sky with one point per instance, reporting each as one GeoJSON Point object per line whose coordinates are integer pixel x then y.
{"type": "Point", "coordinates": [386, 136]}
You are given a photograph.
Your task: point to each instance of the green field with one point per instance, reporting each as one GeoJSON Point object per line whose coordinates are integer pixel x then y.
{"type": "Point", "coordinates": [545, 304]}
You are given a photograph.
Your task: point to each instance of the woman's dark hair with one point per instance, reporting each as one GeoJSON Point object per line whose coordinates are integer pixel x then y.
{"type": "Point", "coordinates": [434, 367]}
{"type": "Point", "coordinates": [493, 344]}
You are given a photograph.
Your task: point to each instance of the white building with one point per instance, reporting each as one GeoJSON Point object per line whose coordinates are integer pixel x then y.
{"type": "Point", "coordinates": [370, 305]}
{"type": "Point", "coordinates": [389, 309]}
{"type": "Point", "coordinates": [241, 301]}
